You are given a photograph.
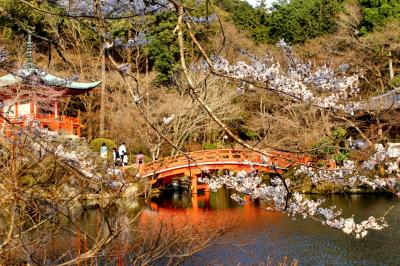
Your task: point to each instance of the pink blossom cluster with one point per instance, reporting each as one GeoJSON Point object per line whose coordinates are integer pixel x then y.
{"type": "Point", "coordinates": [294, 204]}
{"type": "Point", "coordinates": [322, 87]}
{"type": "Point", "coordinates": [352, 175]}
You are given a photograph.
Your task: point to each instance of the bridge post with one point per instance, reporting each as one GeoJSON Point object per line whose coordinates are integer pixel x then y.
{"type": "Point", "coordinates": [195, 202]}
{"type": "Point", "coordinates": [194, 184]}
{"type": "Point", "coordinates": [141, 169]}
{"type": "Point", "coordinates": [248, 201]}
{"type": "Point", "coordinates": [207, 198]}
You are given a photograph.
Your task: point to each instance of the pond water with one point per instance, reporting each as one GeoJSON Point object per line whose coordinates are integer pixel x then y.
{"type": "Point", "coordinates": [262, 234]}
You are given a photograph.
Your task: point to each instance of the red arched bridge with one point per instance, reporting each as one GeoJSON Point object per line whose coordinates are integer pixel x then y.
{"type": "Point", "coordinates": [196, 163]}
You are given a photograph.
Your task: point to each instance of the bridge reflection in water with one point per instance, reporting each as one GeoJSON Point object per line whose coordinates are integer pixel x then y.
{"type": "Point", "coordinates": [197, 163]}
{"type": "Point", "coordinates": [218, 207]}
{"type": "Point", "coordinates": [260, 233]}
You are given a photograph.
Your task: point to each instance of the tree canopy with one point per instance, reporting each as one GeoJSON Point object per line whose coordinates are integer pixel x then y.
{"type": "Point", "coordinates": [377, 12]}
{"type": "Point", "coordinates": [300, 20]}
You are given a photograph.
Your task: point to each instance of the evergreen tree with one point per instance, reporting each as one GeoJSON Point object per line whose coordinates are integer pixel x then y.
{"type": "Point", "coordinates": [377, 12]}
{"type": "Point", "coordinates": [299, 20]}
{"type": "Point", "coordinates": [163, 49]}
{"type": "Point", "coordinates": [244, 16]}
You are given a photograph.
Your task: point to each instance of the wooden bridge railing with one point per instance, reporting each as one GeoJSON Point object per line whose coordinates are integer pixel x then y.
{"type": "Point", "coordinates": [239, 156]}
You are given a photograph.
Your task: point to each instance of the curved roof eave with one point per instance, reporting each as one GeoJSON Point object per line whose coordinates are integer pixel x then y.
{"type": "Point", "coordinates": [60, 82]}
{"type": "Point", "coordinates": [83, 85]}
{"type": "Point", "coordinates": [11, 79]}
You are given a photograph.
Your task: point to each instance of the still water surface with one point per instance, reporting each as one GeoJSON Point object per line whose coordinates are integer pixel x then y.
{"type": "Point", "coordinates": [260, 234]}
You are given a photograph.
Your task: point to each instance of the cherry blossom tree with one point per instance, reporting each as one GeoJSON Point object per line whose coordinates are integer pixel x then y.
{"type": "Point", "coordinates": [323, 88]}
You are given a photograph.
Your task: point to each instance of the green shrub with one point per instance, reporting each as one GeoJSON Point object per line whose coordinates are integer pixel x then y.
{"type": "Point", "coordinates": [95, 144]}
{"type": "Point", "coordinates": [245, 17]}
{"type": "Point", "coordinates": [340, 157]}
{"type": "Point", "coordinates": [323, 147]}
{"type": "Point", "coordinates": [332, 146]}
{"type": "Point", "coordinates": [294, 20]}
{"type": "Point", "coordinates": [210, 146]}
{"type": "Point", "coordinates": [321, 164]}
{"type": "Point", "coordinates": [251, 135]}
{"type": "Point", "coordinates": [27, 180]}
{"type": "Point", "coordinates": [163, 49]}
{"type": "Point", "coordinates": [396, 81]}
{"type": "Point", "coordinates": [338, 133]}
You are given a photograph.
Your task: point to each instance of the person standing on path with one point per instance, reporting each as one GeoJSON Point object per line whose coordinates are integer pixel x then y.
{"type": "Point", "coordinates": [122, 149]}
{"type": "Point", "coordinates": [116, 157]}
{"type": "Point", "coordinates": [125, 159]}
{"type": "Point", "coordinates": [139, 161]}
{"type": "Point", "coordinates": [103, 151]}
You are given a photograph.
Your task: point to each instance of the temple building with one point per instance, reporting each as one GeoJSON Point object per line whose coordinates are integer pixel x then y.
{"type": "Point", "coordinates": [30, 95]}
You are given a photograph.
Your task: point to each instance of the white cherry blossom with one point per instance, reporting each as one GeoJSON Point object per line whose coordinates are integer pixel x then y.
{"type": "Point", "coordinates": [322, 87]}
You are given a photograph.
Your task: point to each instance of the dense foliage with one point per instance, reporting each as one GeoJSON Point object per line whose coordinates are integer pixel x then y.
{"type": "Point", "coordinates": [245, 17]}
{"type": "Point", "coordinates": [295, 21]}
{"type": "Point", "coordinates": [16, 18]}
{"type": "Point", "coordinates": [163, 49]}
{"type": "Point", "coordinates": [377, 12]}
{"type": "Point", "coordinates": [300, 20]}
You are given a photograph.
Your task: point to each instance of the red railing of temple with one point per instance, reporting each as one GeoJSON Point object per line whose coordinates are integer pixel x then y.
{"type": "Point", "coordinates": [60, 123]}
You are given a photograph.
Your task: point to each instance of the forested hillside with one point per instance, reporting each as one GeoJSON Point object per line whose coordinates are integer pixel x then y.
{"type": "Point", "coordinates": [299, 20]}
{"type": "Point", "coordinates": [361, 36]}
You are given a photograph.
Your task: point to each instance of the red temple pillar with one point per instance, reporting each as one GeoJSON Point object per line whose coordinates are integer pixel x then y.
{"type": "Point", "coordinates": [71, 127]}
{"type": "Point", "coordinates": [56, 123]}
{"type": "Point", "coordinates": [35, 106]}
{"type": "Point", "coordinates": [55, 109]}
{"type": "Point", "coordinates": [32, 107]}
{"type": "Point", "coordinates": [16, 110]}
